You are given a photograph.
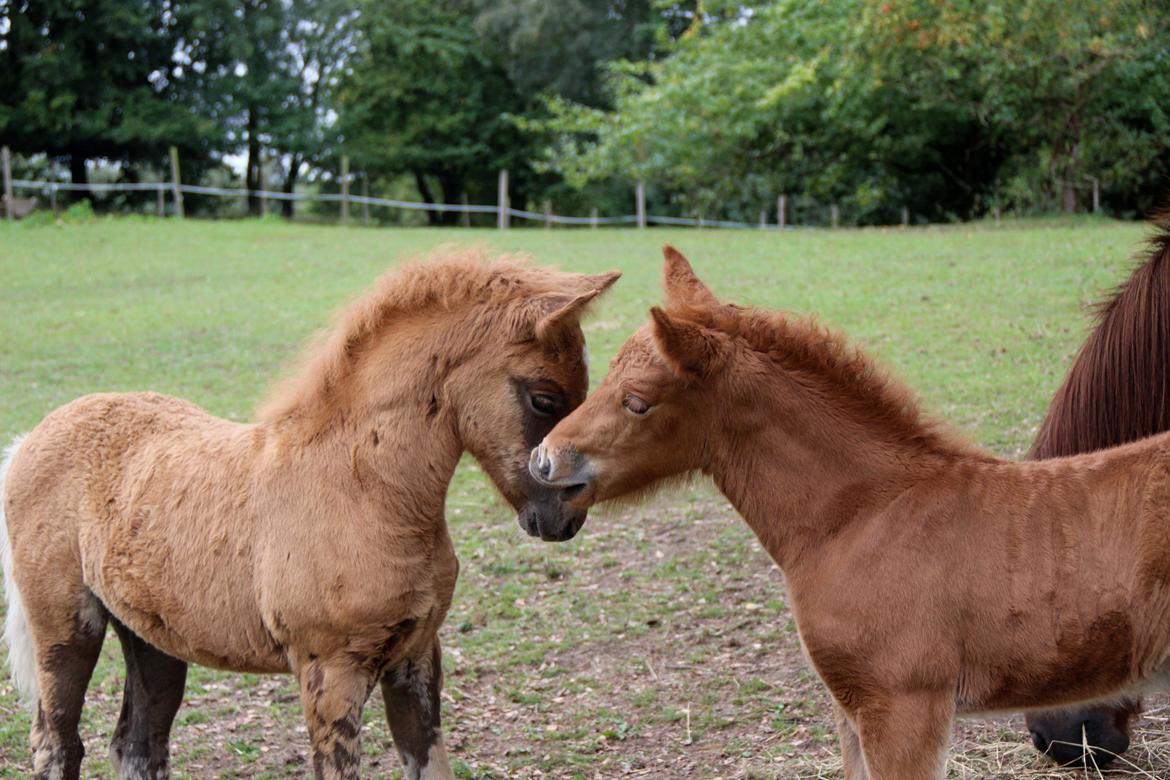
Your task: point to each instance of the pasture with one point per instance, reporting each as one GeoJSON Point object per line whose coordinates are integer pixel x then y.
{"type": "Point", "coordinates": [657, 643]}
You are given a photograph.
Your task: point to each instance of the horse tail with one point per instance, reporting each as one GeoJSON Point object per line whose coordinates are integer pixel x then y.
{"type": "Point", "coordinates": [1118, 389]}
{"type": "Point", "coordinates": [21, 661]}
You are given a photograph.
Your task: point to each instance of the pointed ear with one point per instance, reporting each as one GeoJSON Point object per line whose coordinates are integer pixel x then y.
{"type": "Point", "coordinates": [680, 284]}
{"type": "Point", "coordinates": [692, 350]}
{"type": "Point", "coordinates": [558, 311]}
{"type": "Point", "coordinates": [599, 282]}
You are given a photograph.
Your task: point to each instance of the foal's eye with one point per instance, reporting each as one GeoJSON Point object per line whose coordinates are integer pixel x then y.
{"type": "Point", "coordinates": [544, 404]}
{"type": "Point", "coordinates": [635, 404]}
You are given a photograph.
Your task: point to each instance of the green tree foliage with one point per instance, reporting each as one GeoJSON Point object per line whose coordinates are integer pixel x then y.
{"type": "Point", "coordinates": [946, 108]}
{"type": "Point", "coordinates": [424, 97]}
{"type": "Point", "coordinates": [84, 79]}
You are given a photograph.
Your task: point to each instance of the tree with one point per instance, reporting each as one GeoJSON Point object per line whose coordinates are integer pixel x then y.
{"type": "Point", "coordinates": [319, 42]}
{"type": "Point", "coordinates": [947, 108]}
{"type": "Point", "coordinates": [85, 79]}
{"type": "Point", "coordinates": [424, 97]}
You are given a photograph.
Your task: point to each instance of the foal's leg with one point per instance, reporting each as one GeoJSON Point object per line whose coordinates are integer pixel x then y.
{"type": "Point", "coordinates": [411, 694]}
{"type": "Point", "coordinates": [905, 737]}
{"type": "Point", "coordinates": [333, 692]}
{"type": "Point", "coordinates": [850, 746]}
{"type": "Point", "coordinates": [65, 660]}
{"type": "Point", "coordinates": [154, 691]}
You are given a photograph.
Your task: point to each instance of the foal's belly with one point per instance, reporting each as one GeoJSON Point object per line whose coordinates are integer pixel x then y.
{"type": "Point", "coordinates": [192, 598]}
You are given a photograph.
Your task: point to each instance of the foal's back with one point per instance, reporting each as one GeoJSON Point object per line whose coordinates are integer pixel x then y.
{"type": "Point", "coordinates": [1059, 569]}
{"type": "Point", "coordinates": [137, 499]}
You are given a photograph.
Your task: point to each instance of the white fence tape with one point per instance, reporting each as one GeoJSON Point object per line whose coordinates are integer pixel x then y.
{"type": "Point", "coordinates": [334, 197]}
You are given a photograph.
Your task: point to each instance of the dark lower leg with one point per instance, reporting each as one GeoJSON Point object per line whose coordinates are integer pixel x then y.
{"type": "Point", "coordinates": [333, 693]}
{"type": "Point", "coordinates": [63, 674]}
{"type": "Point", "coordinates": [411, 693]}
{"type": "Point", "coordinates": [154, 689]}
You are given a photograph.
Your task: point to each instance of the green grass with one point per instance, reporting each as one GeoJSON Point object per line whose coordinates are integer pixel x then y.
{"type": "Point", "coordinates": [658, 638]}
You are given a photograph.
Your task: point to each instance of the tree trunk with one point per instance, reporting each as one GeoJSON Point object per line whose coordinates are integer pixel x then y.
{"type": "Point", "coordinates": [253, 178]}
{"type": "Point", "coordinates": [1068, 198]}
{"type": "Point", "coordinates": [79, 175]}
{"type": "Point", "coordinates": [452, 186]}
{"type": "Point", "coordinates": [424, 190]}
{"type": "Point", "coordinates": [290, 185]}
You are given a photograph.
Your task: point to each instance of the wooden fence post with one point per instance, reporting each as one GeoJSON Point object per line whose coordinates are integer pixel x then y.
{"type": "Point", "coordinates": [548, 214]}
{"type": "Point", "coordinates": [763, 218]}
{"type": "Point", "coordinates": [640, 197]}
{"type": "Point", "coordinates": [782, 211]}
{"type": "Point", "coordinates": [465, 217]}
{"type": "Point", "coordinates": [834, 215]}
{"type": "Point", "coordinates": [502, 202]}
{"type": "Point", "coordinates": [1096, 193]}
{"type": "Point", "coordinates": [263, 189]}
{"type": "Point", "coordinates": [344, 189]}
{"type": "Point", "coordinates": [365, 198]}
{"type": "Point", "coordinates": [905, 216]}
{"type": "Point", "coordinates": [593, 218]}
{"type": "Point", "coordinates": [6, 164]}
{"type": "Point", "coordinates": [161, 205]}
{"type": "Point", "coordinates": [53, 189]}
{"type": "Point", "coordinates": [176, 182]}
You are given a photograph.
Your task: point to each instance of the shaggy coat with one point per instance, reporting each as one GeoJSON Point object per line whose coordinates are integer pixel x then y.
{"type": "Point", "coordinates": [927, 577]}
{"type": "Point", "coordinates": [310, 541]}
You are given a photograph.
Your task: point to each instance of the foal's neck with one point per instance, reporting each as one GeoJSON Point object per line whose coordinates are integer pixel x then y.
{"type": "Point", "coordinates": [800, 471]}
{"type": "Point", "coordinates": [391, 440]}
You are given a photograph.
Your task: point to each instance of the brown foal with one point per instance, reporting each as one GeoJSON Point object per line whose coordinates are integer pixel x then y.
{"type": "Point", "coordinates": [927, 577]}
{"type": "Point", "coordinates": [312, 541]}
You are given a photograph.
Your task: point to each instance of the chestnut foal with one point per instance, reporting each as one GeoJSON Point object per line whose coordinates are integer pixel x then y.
{"type": "Point", "coordinates": [927, 577]}
{"type": "Point", "coordinates": [312, 541]}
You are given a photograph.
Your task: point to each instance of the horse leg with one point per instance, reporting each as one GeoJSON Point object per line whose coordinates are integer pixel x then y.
{"type": "Point", "coordinates": [905, 737]}
{"type": "Point", "coordinates": [850, 746]}
{"type": "Point", "coordinates": [154, 690]}
{"type": "Point", "coordinates": [333, 692]}
{"type": "Point", "coordinates": [65, 659]}
{"type": "Point", "coordinates": [411, 694]}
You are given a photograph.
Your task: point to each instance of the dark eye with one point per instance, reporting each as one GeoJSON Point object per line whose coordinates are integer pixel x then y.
{"type": "Point", "coordinates": [544, 404]}
{"type": "Point", "coordinates": [635, 404]}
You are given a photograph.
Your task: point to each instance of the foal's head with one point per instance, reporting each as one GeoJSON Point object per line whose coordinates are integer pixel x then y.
{"type": "Point", "coordinates": [531, 372]}
{"type": "Point", "coordinates": [456, 354]}
{"type": "Point", "coordinates": [652, 417]}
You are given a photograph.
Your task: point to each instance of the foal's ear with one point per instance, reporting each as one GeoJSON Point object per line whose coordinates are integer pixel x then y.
{"type": "Point", "coordinates": [679, 282]}
{"type": "Point", "coordinates": [557, 311]}
{"type": "Point", "coordinates": [599, 282]}
{"type": "Point", "coordinates": [691, 350]}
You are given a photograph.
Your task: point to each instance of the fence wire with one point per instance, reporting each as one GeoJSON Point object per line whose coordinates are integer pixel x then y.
{"type": "Point", "coordinates": [333, 197]}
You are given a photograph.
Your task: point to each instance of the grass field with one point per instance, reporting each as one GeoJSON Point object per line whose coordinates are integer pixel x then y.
{"type": "Point", "coordinates": [657, 643]}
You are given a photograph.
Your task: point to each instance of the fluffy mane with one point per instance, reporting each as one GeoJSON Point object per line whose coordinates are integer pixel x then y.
{"type": "Point", "coordinates": [856, 383]}
{"type": "Point", "coordinates": [446, 280]}
{"type": "Point", "coordinates": [1118, 388]}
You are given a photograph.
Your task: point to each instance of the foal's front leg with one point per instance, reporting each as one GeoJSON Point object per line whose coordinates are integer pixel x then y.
{"type": "Point", "coordinates": [904, 736]}
{"type": "Point", "coordinates": [411, 692]}
{"type": "Point", "coordinates": [333, 692]}
{"type": "Point", "coordinates": [850, 746]}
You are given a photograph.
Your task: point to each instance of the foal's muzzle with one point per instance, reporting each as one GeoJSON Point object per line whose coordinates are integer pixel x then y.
{"type": "Point", "coordinates": [566, 469]}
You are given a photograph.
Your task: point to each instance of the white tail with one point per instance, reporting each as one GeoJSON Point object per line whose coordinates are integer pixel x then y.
{"type": "Point", "coordinates": [21, 661]}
